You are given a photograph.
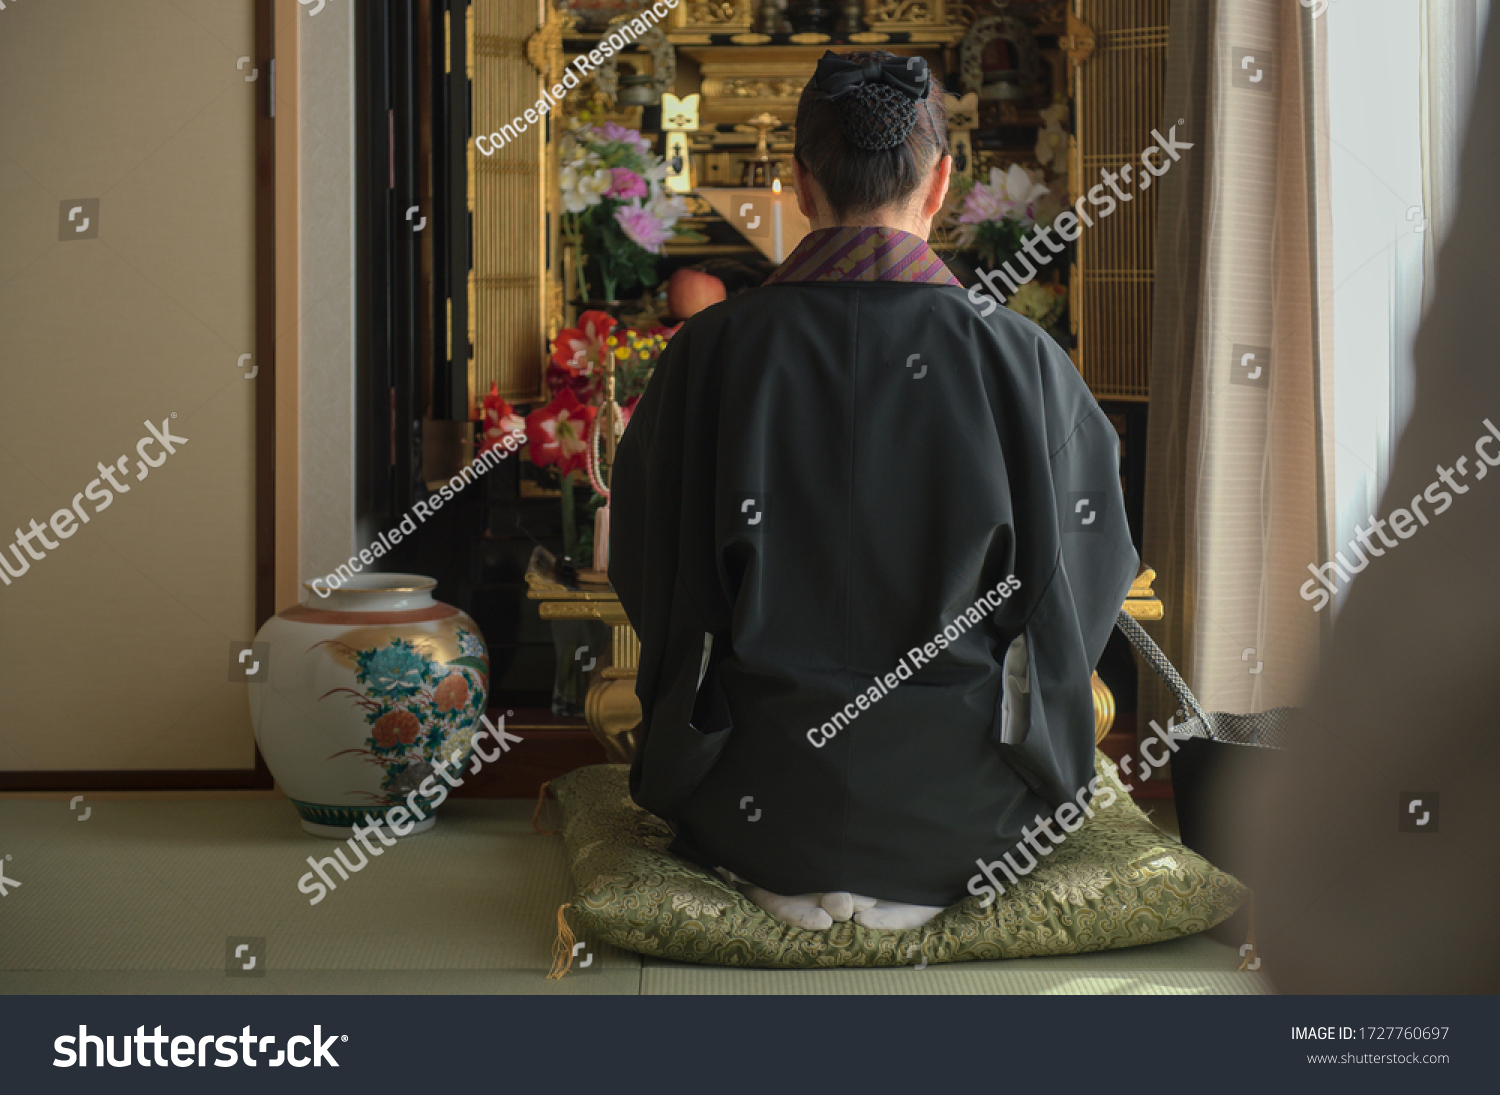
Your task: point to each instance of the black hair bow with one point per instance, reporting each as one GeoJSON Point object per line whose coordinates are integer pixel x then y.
{"type": "Point", "coordinates": [838, 77]}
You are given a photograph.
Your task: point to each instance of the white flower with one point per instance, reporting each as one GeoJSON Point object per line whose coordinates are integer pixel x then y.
{"type": "Point", "coordinates": [596, 184]}
{"type": "Point", "coordinates": [668, 207]}
{"type": "Point", "coordinates": [1015, 186]}
{"type": "Point", "coordinates": [1051, 144]}
{"type": "Point", "coordinates": [567, 185]}
{"type": "Point", "coordinates": [582, 189]}
{"type": "Point", "coordinates": [1052, 138]}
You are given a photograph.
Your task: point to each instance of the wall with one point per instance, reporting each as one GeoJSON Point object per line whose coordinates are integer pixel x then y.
{"type": "Point", "coordinates": [114, 646]}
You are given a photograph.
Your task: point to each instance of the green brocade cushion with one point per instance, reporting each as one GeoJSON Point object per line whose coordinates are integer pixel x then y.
{"type": "Point", "coordinates": [1116, 882]}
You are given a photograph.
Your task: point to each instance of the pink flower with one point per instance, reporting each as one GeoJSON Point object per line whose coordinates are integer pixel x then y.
{"type": "Point", "coordinates": [1010, 194]}
{"type": "Point", "coordinates": [983, 204]}
{"type": "Point", "coordinates": [627, 184]}
{"type": "Point", "coordinates": [642, 228]}
{"type": "Point", "coordinates": [612, 131]}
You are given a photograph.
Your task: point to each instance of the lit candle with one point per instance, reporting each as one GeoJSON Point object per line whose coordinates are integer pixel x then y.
{"type": "Point", "coordinates": [776, 244]}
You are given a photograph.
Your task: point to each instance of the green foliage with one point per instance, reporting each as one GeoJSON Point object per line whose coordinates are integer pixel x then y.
{"type": "Point", "coordinates": [997, 241]}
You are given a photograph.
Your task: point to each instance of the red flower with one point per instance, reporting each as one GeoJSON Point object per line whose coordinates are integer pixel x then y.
{"type": "Point", "coordinates": [397, 726]}
{"type": "Point", "coordinates": [452, 693]}
{"type": "Point", "coordinates": [499, 419]}
{"type": "Point", "coordinates": [580, 349]}
{"type": "Point", "coordinates": [560, 432]}
{"type": "Point", "coordinates": [584, 385]}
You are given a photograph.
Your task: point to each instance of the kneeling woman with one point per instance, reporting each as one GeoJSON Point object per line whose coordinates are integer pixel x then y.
{"type": "Point", "coordinates": [868, 527]}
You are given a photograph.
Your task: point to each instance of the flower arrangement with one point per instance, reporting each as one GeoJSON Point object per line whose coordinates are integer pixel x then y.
{"type": "Point", "coordinates": [561, 434]}
{"type": "Point", "coordinates": [1044, 304]}
{"type": "Point", "coordinates": [577, 370]}
{"type": "Point", "coordinates": [994, 217]}
{"type": "Point", "coordinates": [617, 209]}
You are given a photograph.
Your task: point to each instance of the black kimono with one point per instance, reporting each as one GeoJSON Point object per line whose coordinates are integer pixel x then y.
{"type": "Point", "coordinates": [855, 470]}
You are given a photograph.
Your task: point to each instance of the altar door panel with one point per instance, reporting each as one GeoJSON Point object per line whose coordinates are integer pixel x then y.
{"type": "Point", "coordinates": [1118, 92]}
{"type": "Point", "coordinates": [508, 287]}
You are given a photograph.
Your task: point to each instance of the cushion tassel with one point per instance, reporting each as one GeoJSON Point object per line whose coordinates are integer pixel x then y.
{"type": "Point", "coordinates": [562, 947]}
{"type": "Point", "coordinates": [536, 816]}
{"type": "Point", "coordinates": [1250, 955]}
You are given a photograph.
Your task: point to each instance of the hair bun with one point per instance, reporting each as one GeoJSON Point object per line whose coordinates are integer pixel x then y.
{"type": "Point", "coordinates": [875, 117]}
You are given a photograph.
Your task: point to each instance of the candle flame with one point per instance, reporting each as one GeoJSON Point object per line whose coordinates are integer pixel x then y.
{"type": "Point", "coordinates": [776, 186]}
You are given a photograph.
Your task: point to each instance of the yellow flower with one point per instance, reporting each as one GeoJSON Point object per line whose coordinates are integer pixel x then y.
{"type": "Point", "coordinates": [622, 353]}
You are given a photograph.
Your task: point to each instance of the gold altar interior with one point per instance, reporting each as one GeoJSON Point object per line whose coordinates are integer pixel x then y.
{"type": "Point", "coordinates": [1104, 58]}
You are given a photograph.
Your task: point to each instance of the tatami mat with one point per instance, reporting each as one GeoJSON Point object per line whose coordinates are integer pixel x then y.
{"type": "Point", "coordinates": [612, 982]}
{"type": "Point", "coordinates": [964, 979]}
{"type": "Point", "coordinates": [144, 895]}
{"type": "Point", "coordinates": [161, 886]}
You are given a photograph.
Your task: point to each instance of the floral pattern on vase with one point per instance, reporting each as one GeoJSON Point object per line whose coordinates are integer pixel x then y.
{"type": "Point", "coordinates": [369, 690]}
{"type": "Point", "coordinates": [418, 711]}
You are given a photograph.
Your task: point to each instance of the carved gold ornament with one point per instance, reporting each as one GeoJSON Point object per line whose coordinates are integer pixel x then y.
{"type": "Point", "coordinates": [544, 48]}
{"type": "Point", "coordinates": [896, 16]}
{"type": "Point", "coordinates": [663, 59]}
{"type": "Point", "coordinates": [714, 16]}
{"type": "Point", "coordinates": [980, 35]}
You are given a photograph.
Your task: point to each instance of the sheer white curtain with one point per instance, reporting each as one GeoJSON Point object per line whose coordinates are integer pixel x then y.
{"type": "Point", "coordinates": [1452, 38]}
{"type": "Point", "coordinates": [1400, 76]}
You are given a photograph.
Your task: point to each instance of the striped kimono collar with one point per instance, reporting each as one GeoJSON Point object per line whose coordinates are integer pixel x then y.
{"type": "Point", "coordinates": [858, 253]}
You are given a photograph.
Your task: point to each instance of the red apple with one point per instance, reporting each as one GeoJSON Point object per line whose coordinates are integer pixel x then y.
{"type": "Point", "coordinates": [691, 291]}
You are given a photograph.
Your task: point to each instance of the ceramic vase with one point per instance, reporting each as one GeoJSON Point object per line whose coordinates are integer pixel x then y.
{"type": "Point", "coordinates": [370, 689]}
